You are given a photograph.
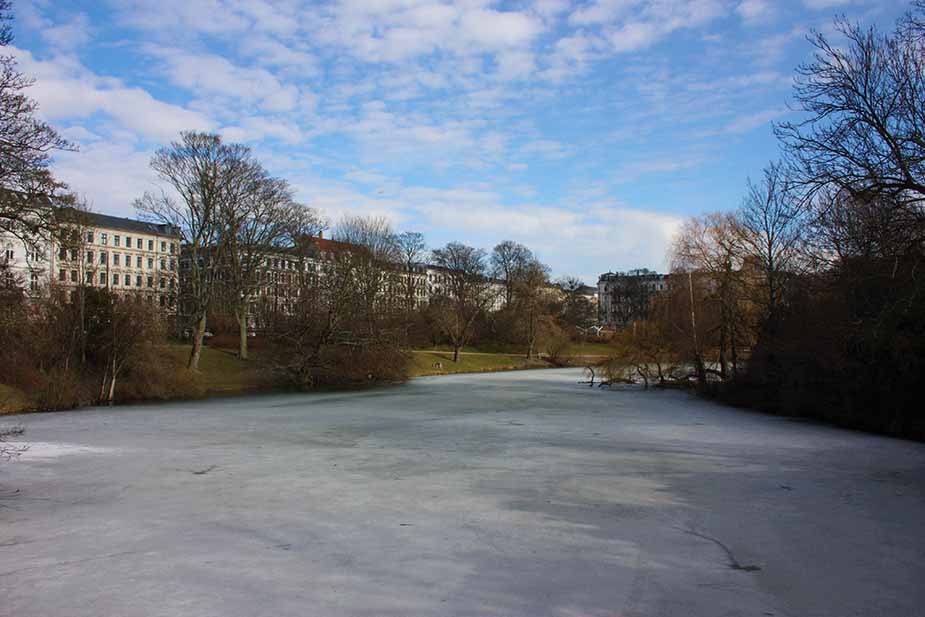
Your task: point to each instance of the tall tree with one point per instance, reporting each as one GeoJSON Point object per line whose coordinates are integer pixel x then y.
{"type": "Point", "coordinates": [468, 291]}
{"type": "Point", "coordinates": [258, 225]}
{"type": "Point", "coordinates": [412, 248]}
{"type": "Point", "coordinates": [577, 309]}
{"type": "Point", "coordinates": [508, 261]}
{"type": "Point", "coordinates": [531, 300]}
{"type": "Point", "coordinates": [205, 176]}
{"type": "Point", "coordinates": [27, 186]}
{"type": "Point", "coordinates": [772, 232]}
{"type": "Point", "coordinates": [712, 245]}
{"type": "Point", "coordinates": [374, 262]}
{"type": "Point", "coordinates": [863, 97]}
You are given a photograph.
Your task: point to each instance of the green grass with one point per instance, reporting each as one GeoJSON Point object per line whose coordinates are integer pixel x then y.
{"type": "Point", "coordinates": [422, 363]}
{"type": "Point", "coordinates": [220, 371]}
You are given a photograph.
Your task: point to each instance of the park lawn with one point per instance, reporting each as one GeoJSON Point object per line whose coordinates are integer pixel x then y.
{"type": "Point", "coordinates": [423, 361]}
{"type": "Point", "coordinates": [221, 372]}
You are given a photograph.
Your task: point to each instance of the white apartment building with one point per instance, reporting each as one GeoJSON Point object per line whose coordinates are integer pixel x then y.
{"type": "Point", "coordinates": [120, 254]}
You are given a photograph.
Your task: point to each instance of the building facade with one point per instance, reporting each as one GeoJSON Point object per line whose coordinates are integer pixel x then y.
{"type": "Point", "coordinates": [97, 250]}
{"type": "Point", "coordinates": [625, 297]}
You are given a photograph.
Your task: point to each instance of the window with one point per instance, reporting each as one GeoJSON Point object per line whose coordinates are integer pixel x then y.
{"type": "Point", "coordinates": [73, 254]}
{"type": "Point", "coordinates": [163, 264]}
{"type": "Point", "coordinates": [138, 261]}
{"type": "Point", "coordinates": [103, 258]}
{"type": "Point", "coordinates": [162, 283]}
{"type": "Point", "coordinates": [115, 240]}
{"type": "Point", "coordinates": [128, 280]}
{"type": "Point", "coordinates": [8, 254]}
{"type": "Point", "coordinates": [150, 263]}
{"type": "Point", "coordinates": [150, 245]}
{"type": "Point", "coordinates": [115, 259]}
{"type": "Point", "coordinates": [89, 257]}
{"type": "Point", "coordinates": [173, 264]}
{"type": "Point", "coordinates": [163, 247]}
{"type": "Point", "coordinates": [89, 237]}
{"type": "Point", "coordinates": [138, 281]}
{"type": "Point", "coordinates": [88, 278]}
{"type": "Point", "coordinates": [163, 301]}
{"type": "Point", "coordinates": [170, 284]}
{"type": "Point", "coordinates": [33, 281]}
{"type": "Point", "coordinates": [104, 239]}
{"type": "Point", "coordinates": [137, 243]}
{"type": "Point", "coordinates": [62, 254]}
{"type": "Point", "coordinates": [102, 278]}
{"type": "Point", "coordinates": [61, 275]}
{"type": "Point", "coordinates": [150, 281]}
{"type": "Point", "coordinates": [173, 247]}
{"type": "Point", "coordinates": [115, 279]}
{"type": "Point", "coordinates": [128, 242]}
{"type": "Point", "coordinates": [73, 276]}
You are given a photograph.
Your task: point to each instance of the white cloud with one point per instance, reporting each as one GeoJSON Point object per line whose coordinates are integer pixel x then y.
{"type": "Point", "coordinates": [207, 74]}
{"type": "Point", "coordinates": [751, 121]}
{"type": "Point", "coordinates": [109, 175]}
{"type": "Point", "coordinates": [754, 11]}
{"type": "Point", "coordinates": [66, 90]}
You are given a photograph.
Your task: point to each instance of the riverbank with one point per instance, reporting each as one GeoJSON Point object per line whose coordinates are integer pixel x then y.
{"type": "Point", "coordinates": [222, 373]}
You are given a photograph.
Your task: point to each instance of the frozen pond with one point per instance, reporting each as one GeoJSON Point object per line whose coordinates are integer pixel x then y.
{"type": "Point", "coordinates": [510, 495]}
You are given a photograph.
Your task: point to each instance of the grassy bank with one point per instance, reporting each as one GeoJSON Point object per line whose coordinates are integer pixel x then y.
{"type": "Point", "coordinates": [221, 373]}
{"type": "Point", "coordinates": [441, 363]}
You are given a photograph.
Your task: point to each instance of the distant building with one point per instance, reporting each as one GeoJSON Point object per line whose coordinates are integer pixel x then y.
{"type": "Point", "coordinates": [625, 297]}
{"type": "Point", "coordinates": [97, 250]}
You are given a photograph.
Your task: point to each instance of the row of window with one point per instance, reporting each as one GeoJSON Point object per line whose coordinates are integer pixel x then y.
{"type": "Point", "coordinates": [139, 242]}
{"type": "Point", "coordinates": [125, 279]}
{"type": "Point", "coordinates": [126, 260]}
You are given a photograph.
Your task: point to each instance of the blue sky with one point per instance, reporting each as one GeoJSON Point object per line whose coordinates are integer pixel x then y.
{"type": "Point", "coordinates": [586, 130]}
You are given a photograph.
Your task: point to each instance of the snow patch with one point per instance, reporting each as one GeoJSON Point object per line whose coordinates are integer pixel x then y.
{"type": "Point", "coordinates": [41, 450]}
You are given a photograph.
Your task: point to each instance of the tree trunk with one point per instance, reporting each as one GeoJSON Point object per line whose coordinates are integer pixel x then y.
{"type": "Point", "coordinates": [455, 353]}
{"type": "Point", "coordinates": [112, 384]}
{"type": "Point", "coordinates": [242, 333]}
{"type": "Point", "coordinates": [198, 335]}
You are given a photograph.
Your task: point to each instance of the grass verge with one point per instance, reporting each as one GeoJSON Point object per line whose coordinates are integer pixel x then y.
{"type": "Point", "coordinates": [426, 363]}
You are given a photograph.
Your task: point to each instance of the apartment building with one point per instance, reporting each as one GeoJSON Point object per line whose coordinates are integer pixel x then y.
{"type": "Point", "coordinates": [120, 254]}
{"type": "Point", "coordinates": [624, 297]}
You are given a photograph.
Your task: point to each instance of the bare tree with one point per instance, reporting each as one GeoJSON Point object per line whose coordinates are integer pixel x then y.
{"type": "Point", "coordinates": [468, 291]}
{"type": "Point", "coordinates": [204, 175]}
{"type": "Point", "coordinates": [531, 300]}
{"type": "Point", "coordinates": [374, 263]}
{"type": "Point", "coordinates": [772, 224]}
{"type": "Point", "coordinates": [27, 187]}
{"type": "Point", "coordinates": [865, 101]}
{"type": "Point", "coordinates": [508, 260]}
{"type": "Point", "coordinates": [130, 324]}
{"type": "Point", "coordinates": [577, 310]}
{"type": "Point", "coordinates": [412, 248]}
{"type": "Point", "coordinates": [258, 225]}
{"type": "Point", "coordinates": [712, 244]}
